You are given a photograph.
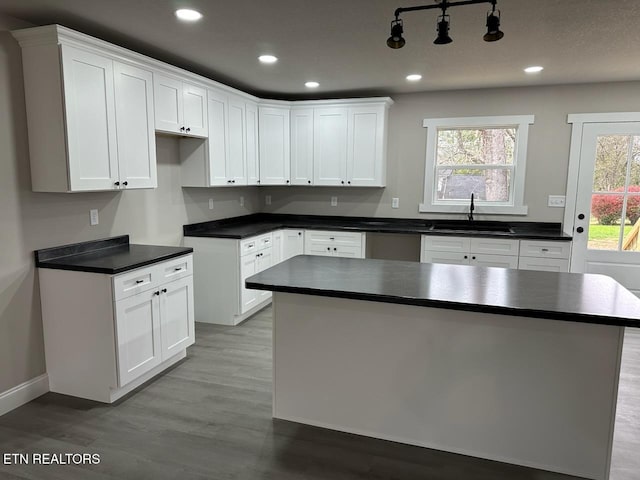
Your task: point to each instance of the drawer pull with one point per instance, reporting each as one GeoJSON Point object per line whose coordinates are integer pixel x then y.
{"type": "Point", "coordinates": [139, 281]}
{"type": "Point", "coordinates": [545, 249]}
{"type": "Point", "coordinates": [331, 238]}
{"type": "Point", "coordinates": [177, 269]}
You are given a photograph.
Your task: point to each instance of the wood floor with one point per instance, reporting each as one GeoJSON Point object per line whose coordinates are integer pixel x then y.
{"type": "Point", "coordinates": [210, 418]}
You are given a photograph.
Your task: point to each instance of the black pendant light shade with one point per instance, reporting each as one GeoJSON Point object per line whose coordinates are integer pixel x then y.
{"type": "Point", "coordinates": [443, 31]}
{"type": "Point", "coordinates": [493, 27]}
{"type": "Point", "coordinates": [395, 40]}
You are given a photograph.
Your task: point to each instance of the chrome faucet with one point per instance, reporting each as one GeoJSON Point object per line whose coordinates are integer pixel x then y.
{"type": "Point", "coordinates": [471, 209]}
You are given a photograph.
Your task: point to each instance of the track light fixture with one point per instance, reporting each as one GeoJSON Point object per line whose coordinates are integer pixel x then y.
{"type": "Point", "coordinates": [493, 22]}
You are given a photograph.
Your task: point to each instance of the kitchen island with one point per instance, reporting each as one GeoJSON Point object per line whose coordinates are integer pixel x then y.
{"type": "Point", "coordinates": [515, 366]}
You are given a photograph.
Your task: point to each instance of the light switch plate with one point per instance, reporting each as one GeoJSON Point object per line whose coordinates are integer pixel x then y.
{"type": "Point", "coordinates": [211, 204]}
{"type": "Point", "coordinates": [395, 202]}
{"type": "Point", "coordinates": [93, 215]}
{"type": "Point", "coordinates": [557, 201]}
{"type": "Point", "coordinates": [334, 201]}
{"type": "Point", "coordinates": [267, 199]}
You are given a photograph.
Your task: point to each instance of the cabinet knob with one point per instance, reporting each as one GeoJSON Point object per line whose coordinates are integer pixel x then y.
{"type": "Point", "coordinates": [116, 183]}
{"type": "Point", "coordinates": [579, 229]}
{"type": "Point", "coordinates": [342, 182]}
{"type": "Point", "coordinates": [349, 182]}
{"type": "Point", "coordinates": [182, 129]}
{"type": "Point", "coordinates": [299, 233]}
{"type": "Point", "coordinates": [581, 216]}
{"type": "Point", "coordinates": [164, 290]}
{"type": "Point", "coordinates": [257, 181]}
{"type": "Point", "coordinates": [125, 183]}
{"type": "Point", "coordinates": [233, 181]}
{"type": "Point", "coordinates": [156, 293]}
{"type": "Point", "coordinates": [473, 258]}
{"type": "Point", "coordinates": [309, 181]}
{"type": "Point", "coordinates": [188, 130]}
{"type": "Point", "coordinates": [329, 248]}
{"type": "Point", "coordinates": [465, 257]}
{"type": "Point", "coordinates": [287, 181]}
{"type": "Point", "coordinates": [335, 249]}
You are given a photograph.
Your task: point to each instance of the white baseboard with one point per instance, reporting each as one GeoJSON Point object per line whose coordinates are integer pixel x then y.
{"type": "Point", "coordinates": [23, 393]}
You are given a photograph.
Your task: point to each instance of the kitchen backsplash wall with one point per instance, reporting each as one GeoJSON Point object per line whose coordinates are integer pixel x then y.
{"type": "Point", "coordinates": [548, 152]}
{"type": "Point", "coordinates": [30, 221]}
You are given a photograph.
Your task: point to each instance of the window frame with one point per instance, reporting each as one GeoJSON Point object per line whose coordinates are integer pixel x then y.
{"type": "Point", "coordinates": [515, 206]}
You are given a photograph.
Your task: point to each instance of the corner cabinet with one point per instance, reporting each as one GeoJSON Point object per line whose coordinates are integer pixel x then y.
{"type": "Point", "coordinates": [105, 335]}
{"type": "Point", "coordinates": [273, 141]}
{"type": "Point", "coordinates": [90, 117]}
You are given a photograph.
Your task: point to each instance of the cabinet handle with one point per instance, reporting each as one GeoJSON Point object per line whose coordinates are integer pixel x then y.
{"type": "Point", "coordinates": [156, 293]}
{"type": "Point", "coordinates": [545, 249]}
{"type": "Point", "coordinates": [164, 290]}
{"type": "Point", "coordinates": [188, 130]}
{"type": "Point", "coordinates": [139, 281]}
{"type": "Point", "coordinates": [177, 269]}
{"type": "Point", "coordinates": [182, 129]}
{"type": "Point", "coordinates": [332, 238]}
{"type": "Point", "coordinates": [116, 184]}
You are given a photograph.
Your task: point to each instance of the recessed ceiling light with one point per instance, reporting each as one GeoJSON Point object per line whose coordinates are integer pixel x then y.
{"type": "Point", "coordinates": [268, 59]}
{"type": "Point", "coordinates": [414, 77]}
{"type": "Point", "coordinates": [534, 69]}
{"type": "Point", "coordinates": [188, 15]}
{"type": "Point", "coordinates": [312, 84]}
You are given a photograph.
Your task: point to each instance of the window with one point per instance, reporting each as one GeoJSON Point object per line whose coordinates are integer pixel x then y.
{"type": "Point", "coordinates": [481, 155]}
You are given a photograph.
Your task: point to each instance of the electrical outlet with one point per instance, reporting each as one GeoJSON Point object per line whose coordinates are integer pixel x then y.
{"type": "Point", "coordinates": [93, 215]}
{"type": "Point", "coordinates": [242, 201]}
{"type": "Point", "coordinates": [395, 202]}
{"type": "Point", "coordinates": [556, 201]}
{"type": "Point", "coordinates": [334, 201]}
{"type": "Point", "coordinates": [267, 199]}
{"type": "Point", "coordinates": [211, 204]}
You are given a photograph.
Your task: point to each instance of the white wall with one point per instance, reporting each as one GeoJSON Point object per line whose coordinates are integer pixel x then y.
{"type": "Point", "coordinates": [30, 221]}
{"type": "Point", "coordinates": [547, 161]}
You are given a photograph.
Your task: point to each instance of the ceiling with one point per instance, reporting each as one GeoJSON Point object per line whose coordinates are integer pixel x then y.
{"type": "Point", "coordinates": [341, 43]}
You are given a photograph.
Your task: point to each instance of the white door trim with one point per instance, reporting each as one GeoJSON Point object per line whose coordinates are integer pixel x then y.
{"type": "Point", "coordinates": [578, 120]}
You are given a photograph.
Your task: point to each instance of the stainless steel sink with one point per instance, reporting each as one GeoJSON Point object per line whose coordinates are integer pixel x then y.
{"type": "Point", "coordinates": [472, 227]}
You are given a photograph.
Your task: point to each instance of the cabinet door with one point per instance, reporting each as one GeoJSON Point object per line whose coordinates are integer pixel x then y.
{"type": "Point", "coordinates": [251, 128]}
{"type": "Point", "coordinates": [236, 159]}
{"type": "Point", "coordinates": [292, 243]}
{"type": "Point", "coordinates": [139, 346]}
{"type": "Point", "coordinates": [330, 146]}
{"type": "Point", "coordinates": [365, 158]}
{"type": "Point", "coordinates": [348, 251]}
{"type": "Point", "coordinates": [248, 297]}
{"type": "Point", "coordinates": [274, 146]}
{"type": "Point", "coordinates": [484, 260]}
{"type": "Point", "coordinates": [91, 121]}
{"type": "Point", "coordinates": [195, 110]}
{"type": "Point", "coordinates": [135, 126]}
{"type": "Point", "coordinates": [277, 247]}
{"type": "Point", "coordinates": [177, 316]}
{"type": "Point", "coordinates": [302, 146]}
{"type": "Point", "coordinates": [168, 104]}
{"type": "Point", "coordinates": [451, 258]}
{"type": "Point", "coordinates": [217, 106]}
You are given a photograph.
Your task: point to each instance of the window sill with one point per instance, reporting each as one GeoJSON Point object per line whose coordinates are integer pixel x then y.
{"type": "Point", "coordinates": [479, 210]}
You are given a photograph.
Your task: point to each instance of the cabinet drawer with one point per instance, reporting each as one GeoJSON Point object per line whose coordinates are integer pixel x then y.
{"type": "Point", "coordinates": [544, 264]}
{"type": "Point", "coordinates": [264, 241]}
{"type": "Point", "coordinates": [545, 249]}
{"type": "Point", "coordinates": [348, 251]}
{"type": "Point", "coordinates": [446, 244]}
{"type": "Point", "coordinates": [134, 282]}
{"type": "Point", "coordinates": [451, 258]}
{"type": "Point", "coordinates": [487, 260]}
{"type": "Point", "coordinates": [495, 246]}
{"type": "Point", "coordinates": [334, 238]}
{"type": "Point", "coordinates": [176, 268]}
{"type": "Point", "coordinates": [247, 246]}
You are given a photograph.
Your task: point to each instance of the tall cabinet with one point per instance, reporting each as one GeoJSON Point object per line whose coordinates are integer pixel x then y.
{"type": "Point", "coordinates": [274, 135]}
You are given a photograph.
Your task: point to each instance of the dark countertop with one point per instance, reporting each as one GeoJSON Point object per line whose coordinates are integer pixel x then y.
{"type": "Point", "coordinates": [256, 224]}
{"type": "Point", "coordinates": [571, 297]}
{"type": "Point", "coordinates": [110, 255]}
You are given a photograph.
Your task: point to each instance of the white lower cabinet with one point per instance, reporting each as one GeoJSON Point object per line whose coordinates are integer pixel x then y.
{"type": "Point", "coordinates": [107, 334]}
{"type": "Point", "coordinates": [334, 243]}
{"type": "Point", "coordinates": [292, 243]}
{"type": "Point", "coordinates": [546, 255]}
{"type": "Point", "coordinates": [480, 251]}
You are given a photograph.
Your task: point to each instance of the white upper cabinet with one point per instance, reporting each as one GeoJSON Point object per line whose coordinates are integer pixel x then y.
{"type": "Point", "coordinates": [237, 156]}
{"type": "Point", "coordinates": [218, 109]}
{"type": "Point", "coordinates": [180, 107]}
{"type": "Point", "coordinates": [301, 146]}
{"type": "Point", "coordinates": [330, 146]}
{"type": "Point", "coordinates": [251, 129]}
{"type": "Point", "coordinates": [90, 116]}
{"type": "Point", "coordinates": [367, 144]}
{"type": "Point", "coordinates": [91, 121]}
{"type": "Point", "coordinates": [273, 140]}
{"type": "Point", "coordinates": [135, 126]}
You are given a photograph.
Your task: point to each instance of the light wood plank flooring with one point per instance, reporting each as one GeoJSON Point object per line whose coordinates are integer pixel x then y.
{"type": "Point", "coordinates": [210, 418]}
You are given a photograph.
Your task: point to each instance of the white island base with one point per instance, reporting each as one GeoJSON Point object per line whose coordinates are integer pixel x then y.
{"type": "Point", "coordinates": [527, 391]}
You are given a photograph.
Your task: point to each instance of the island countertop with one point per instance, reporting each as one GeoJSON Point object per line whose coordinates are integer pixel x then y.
{"type": "Point", "coordinates": [573, 297]}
